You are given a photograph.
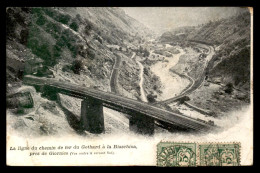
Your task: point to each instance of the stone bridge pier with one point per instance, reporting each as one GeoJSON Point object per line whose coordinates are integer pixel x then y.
{"type": "Point", "coordinates": [92, 117]}
{"type": "Point", "coordinates": [141, 124]}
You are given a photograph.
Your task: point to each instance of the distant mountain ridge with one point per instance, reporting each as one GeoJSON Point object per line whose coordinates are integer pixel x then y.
{"type": "Point", "coordinates": [213, 32]}
{"type": "Point", "coordinates": [231, 39]}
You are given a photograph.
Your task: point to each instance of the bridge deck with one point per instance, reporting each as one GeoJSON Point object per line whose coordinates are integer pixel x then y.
{"type": "Point", "coordinates": [123, 102]}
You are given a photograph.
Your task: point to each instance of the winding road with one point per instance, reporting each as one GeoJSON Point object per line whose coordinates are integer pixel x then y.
{"type": "Point", "coordinates": [114, 76]}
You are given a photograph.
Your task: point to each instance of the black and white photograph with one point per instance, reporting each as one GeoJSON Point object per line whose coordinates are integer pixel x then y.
{"type": "Point", "coordinates": [117, 81]}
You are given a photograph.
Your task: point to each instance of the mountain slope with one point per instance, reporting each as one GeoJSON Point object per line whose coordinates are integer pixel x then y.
{"type": "Point", "coordinates": [77, 45]}
{"type": "Point", "coordinates": [231, 39]}
{"type": "Point", "coordinates": [75, 40]}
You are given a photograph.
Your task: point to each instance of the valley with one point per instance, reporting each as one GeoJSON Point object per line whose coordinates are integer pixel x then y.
{"type": "Point", "coordinates": [105, 49]}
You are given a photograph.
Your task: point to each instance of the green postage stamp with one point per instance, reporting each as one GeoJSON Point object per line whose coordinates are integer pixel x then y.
{"type": "Point", "coordinates": [176, 154]}
{"type": "Point", "coordinates": [219, 154]}
{"type": "Point", "coordinates": [172, 154]}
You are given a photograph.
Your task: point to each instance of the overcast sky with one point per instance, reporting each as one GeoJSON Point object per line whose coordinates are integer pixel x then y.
{"type": "Point", "coordinates": [161, 19]}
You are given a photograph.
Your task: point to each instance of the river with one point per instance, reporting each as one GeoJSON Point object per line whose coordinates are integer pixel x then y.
{"type": "Point", "coordinates": [172, 84]}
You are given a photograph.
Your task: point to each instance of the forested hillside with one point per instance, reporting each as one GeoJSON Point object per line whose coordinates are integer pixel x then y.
{"type": "Point", "coordinates": [78, 40]}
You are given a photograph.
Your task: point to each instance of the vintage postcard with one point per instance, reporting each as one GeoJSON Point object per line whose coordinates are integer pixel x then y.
{"type": "Point", "coordinates": [116, 86]}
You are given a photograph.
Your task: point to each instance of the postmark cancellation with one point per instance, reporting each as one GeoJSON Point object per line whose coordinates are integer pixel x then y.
{"type": "Point", "coordinates": [173, 154]}
{"type": "Point", "coordinates": [219, 154]}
